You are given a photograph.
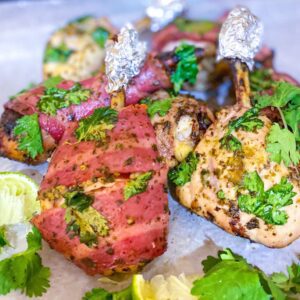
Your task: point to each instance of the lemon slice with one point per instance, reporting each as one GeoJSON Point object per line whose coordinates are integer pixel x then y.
{"type": "Point", "coordinates": [18, 198]}
{"type": "Point", "coordinates": [141, 289]}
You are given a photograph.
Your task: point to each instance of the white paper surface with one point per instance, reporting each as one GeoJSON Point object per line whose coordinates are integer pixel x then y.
{"type": "Point", "coordinates": [25, 28]}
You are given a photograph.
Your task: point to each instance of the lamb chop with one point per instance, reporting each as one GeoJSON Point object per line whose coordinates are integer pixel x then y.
{"type": "Point", "coordinates": [104, 198]}
{"type": "Point", "coordinates": [240, 177]}
{"type": "Point", "coordinates": [49, 107]}
{"type": "Point", "coordinates": [204, 33]}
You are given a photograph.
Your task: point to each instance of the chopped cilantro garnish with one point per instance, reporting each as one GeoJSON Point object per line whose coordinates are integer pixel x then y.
{"type": "Point", "coordinates": [266, 205]}
{"type": "Point", "coordinates": [247, 122]}
{"type": "Point", "coordinates": [24, 271]}
{"type": "Point", "coordinates": [57, 54]}
{"type": "Point", "coordinates": [187, 67]}
{"type": "Point", "coordinates": [221, 195]}
{"type": "Point", "coordinates": [261, 80]}
{"type": "Point", "coordinates": [80, 19]}
{"type": "Point", "coordinates": [182, 173]}
{"type": "Point", "coordinates": [28, 131]}
{"type": "Point", "coordinates": [101, 294]}
{"type": "Point", "coordinates": [137, 185]}
{"type": "Point", "coordinates": [83, 220]}
{"type": "Point", "coordinates": [57, 98]}
{"type": "Point", "coordinates": [160, 107]}
{"type": "Point", "coordinates": [100, 36]}
{"type": "Point", "coordinates": [78, 200]}
{"type": "Point", "coordinates": [94, 127]}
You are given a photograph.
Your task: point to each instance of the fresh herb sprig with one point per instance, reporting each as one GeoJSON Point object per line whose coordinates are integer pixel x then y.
{"type": "Point", "coordinates": [57, 54]}
{"type": "Point", "coordinates": [266, 205]}
{"type": "Point", "coordinates": [160, 107]}
{"type": "Point", "coordinates": [56, 98]}
{"type": "Point", "coordinates": [282, 142]}
{"type": "Point", "coordinates": [24, 271]}
{"type": "Point", "coordinates": [137, 185]}
{"type": "Point", "coordinates": [29, 135]}
{"type": "Point", "coordinates": [83, 220]}
{"type": "Point", "coordinates": [100, 36]}
{"type": "Point", "coordinates": [186, 68]}
{"type": "Point", "coordinates": [229, 276]}
{"type": "Point", "coordinates": [94, 127]}
{"type": "Point", "coordinates": [249, 121]}
{"type": "Point", "coordinates": [182, 173]}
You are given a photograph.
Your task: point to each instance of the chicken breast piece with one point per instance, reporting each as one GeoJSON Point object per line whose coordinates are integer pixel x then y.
{"type": "Point", "coordinates": [76, 51]}
{"type": "Point", "coordinates": [222, 170]}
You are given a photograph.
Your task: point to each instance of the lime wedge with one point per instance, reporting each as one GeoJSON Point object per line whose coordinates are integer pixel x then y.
{"type": "Point", "coordinates": [141, 289]}
{"type": "Point", "coordinates": [18, 198]}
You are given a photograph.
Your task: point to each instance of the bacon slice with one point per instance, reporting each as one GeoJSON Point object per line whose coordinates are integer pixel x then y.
{"type": "Point", "coordinates": [137, 226]}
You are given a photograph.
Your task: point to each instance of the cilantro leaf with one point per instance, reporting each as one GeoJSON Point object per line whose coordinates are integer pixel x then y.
{"type": "Point", "coordinates": [57, 54]}
{"type": "Point", "coordinates": [81, 19]}
{"type": "Point", "coordinates": [137, 185]}
{"type": "Point", "coordinates": [292, 119]}
{"type": "Point", "coordinates": [87, 225]}
{"type": "Point", "coordinates": [102, 294]}
{"type": "Point", "coordinates": [24, 270]}
{"type": "Point", "coordinates": [247, 122]}
{"type": "Point", "coordinates": [160, 107]}
{"type": "Point", "coordinates": [289, 283]}
{"type": "Point", "coordinates": [182, 173]}
{"type": "Point", "coordinates": [56, 98]}
{"type": "Point", "coordinates": [282, 146]}
{"type": "Point", "coordinates": [230, 142]}
{"type": "Point", "coordinates": [261, 80]}
{"type": "Point", "coordinates": [284, 92]}
{"type": "Point", "coordinates": [94, 127]}
{"type": "Point", "coordinates": [3, 238]}
{"type": "Point", "coordinates": [221, 195]}
{"type": "Point", "coordinates": [228, 276]}
{"type": "Point", "coordinates": [29, 135]}
{"type": "Point", "coordinates": [238, 281]}
{"type": "Point", "coordinates": [266, 205]}
{"type": "Point", "coordinates": [78, 200]}
{"type": "Point", "coordinates": [52, 82]}
{"type": "Point", "coordinates": [100, 36]}
{"type": "Point", "coordinates": [187, 67]}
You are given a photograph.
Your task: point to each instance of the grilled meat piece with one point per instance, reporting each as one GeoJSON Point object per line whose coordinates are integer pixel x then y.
{"type": "Point", "coordinates": [76, 51]}
{"type": "Point", "coordinates": [154, 75]}
{"type": "Point", "coordinates": [221, 170]}
{"type": "Point", "coordinates": [137, 227]}
{"type": "Point", "coordinates": [181, 129]}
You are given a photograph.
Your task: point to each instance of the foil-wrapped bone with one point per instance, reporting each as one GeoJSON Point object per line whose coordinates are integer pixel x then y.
{"type": "Point", "coordinates": [240, 36]}
{"type": "Point", "coordinates": [124, 58]}
{"type": "Point", "coordinates": [162, 12]}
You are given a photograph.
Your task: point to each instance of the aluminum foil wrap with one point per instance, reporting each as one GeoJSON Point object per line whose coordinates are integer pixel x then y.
{"type": "Point", "coordinates": [124, 58]}
{"type": "Point", "coordinates": [162, 12]}
{"type": "Point", "coordinates": [240, 36]}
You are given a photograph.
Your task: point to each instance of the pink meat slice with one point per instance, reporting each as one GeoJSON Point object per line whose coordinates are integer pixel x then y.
{"type": "Point", "coordinates": [138, 226]}
{"type": "Point", "coordinates": [138, 229]}
{"type": "Point", "coordinates": [132, 138]}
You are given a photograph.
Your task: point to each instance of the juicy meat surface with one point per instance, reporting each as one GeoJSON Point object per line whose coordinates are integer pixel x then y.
{"type": "Point", "coordinates": [137, 226]}
{"type": "Point", "coordinates": [180, 130]}
{"type": "Point", "coordinates": [220, 169]}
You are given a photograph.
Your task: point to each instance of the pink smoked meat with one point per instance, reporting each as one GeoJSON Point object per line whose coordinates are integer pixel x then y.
{"type": "Point", "coordinates": [137, 226]}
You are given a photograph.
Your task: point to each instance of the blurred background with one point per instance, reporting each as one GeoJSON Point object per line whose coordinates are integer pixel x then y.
{"type": "Point", "coordinates": [26, 26]}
